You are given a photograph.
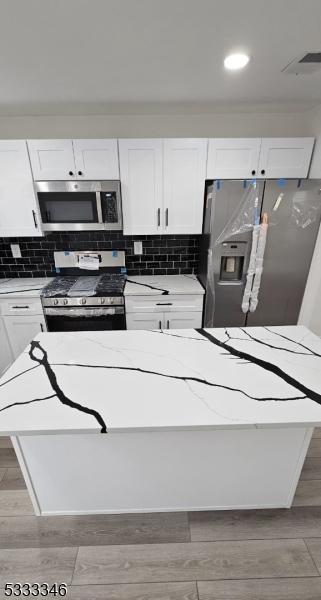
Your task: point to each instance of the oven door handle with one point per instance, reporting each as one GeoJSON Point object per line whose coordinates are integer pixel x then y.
{"type": "Point", "coordinates": [84, 312]}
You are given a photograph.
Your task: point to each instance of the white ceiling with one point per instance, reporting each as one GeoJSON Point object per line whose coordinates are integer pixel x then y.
{"type": "Point", "coordinates": [100, 56]}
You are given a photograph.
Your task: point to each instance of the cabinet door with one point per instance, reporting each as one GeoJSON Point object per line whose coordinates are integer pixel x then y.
{"type": "Point", "coordinates": [19, 213]}
{"type": "Point", "coordinates": [285, 157]}
{"type": "Point", "coordinates": [6, 357]}
{"type": "Point", "coordinates": [183, 320]}
{"type": "Point", "coordinates": [21, 330]}
{"type": "Point", "coordinates": [233, 158]}
{"type": "Point", "coordinates": [96, 159]}
{"type": "Point", "coordinates": [145, 320]}
{"type": "Point", "coordinates": [184, 183]}
{"type": "Point", "coordinates": [141, 175]}
{"type": "Point", "coordinates": [52, 159]}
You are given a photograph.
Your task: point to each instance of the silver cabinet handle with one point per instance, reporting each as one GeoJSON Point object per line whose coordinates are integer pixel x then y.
{"type": "Point", "coordinates": [166, 217]}
{"type": "Point", "coordinates": [159, 324]}
{"type": "Point", "coordinates": [35, 218]}
{"type": "Point", "coordinates": [158, 217]}
{"type": "Point", "coordinates": [167, 324]}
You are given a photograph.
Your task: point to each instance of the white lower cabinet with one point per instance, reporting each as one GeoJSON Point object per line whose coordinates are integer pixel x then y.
{"type": "Point", "coordinates": [164, 320]}
{"type": "Point", "coordinates": [183, 320]}
{"type": "Point", "coordinates": [22, 329]}
{"type": "Point", "coordinates": [145, 320]}
{"type": "Point", "coordinates": [174, 311]}
{"type": "Point", "coordinates": [20, 321]}
{"type": "Point", "coordinates": [6, 356]}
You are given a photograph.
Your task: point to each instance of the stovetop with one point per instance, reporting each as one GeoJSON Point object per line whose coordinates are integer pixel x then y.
{"type": "Point", "coordinates": [105, 285]}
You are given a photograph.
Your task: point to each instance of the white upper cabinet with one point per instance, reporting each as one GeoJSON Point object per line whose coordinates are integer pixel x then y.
{"type": "Point", "coordinates": [19, 212]}
{"type": "Point", "coordinates": [96, 159]}
{"type": "Point", "coordinates": [244, 158]}
{"type": "Point", "coordinates": [52, 159]}
{"type": "Point", "coordinates": [162, 185]}
{"type": "Point", "coordinates": [141, 174]}
{"type": "Point", "coordinates": [73, 159]}
{"type": "Point", "coordinates": [233, 158]}
{"type": "Point", "coordinates": [285, 157]}
{"type": "Point", "coordinates": [184, 183]}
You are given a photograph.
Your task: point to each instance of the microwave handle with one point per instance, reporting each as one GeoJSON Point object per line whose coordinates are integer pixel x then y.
{"type": "Point", "coordinates": [99, 209]}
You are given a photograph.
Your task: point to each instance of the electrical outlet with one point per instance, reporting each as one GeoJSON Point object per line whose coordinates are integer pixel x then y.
{"type": "Point", "coordinates": [138, 247]}
{"type": "Point", "coordinates": [15, 249]}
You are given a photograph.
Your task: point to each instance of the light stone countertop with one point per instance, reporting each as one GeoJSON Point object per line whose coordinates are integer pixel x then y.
{"type": "Point", "coordinates": [128, 381]}
{"type": "Point", "coordinates": [148, 285]}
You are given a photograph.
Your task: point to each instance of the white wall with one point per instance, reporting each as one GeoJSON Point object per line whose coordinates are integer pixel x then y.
{"type": "Point", "coordinates": [314, 123]}
{"type": "Point", "coordinates": [310, 314]}
{"type": "Point", "coordinates": [246, 124]}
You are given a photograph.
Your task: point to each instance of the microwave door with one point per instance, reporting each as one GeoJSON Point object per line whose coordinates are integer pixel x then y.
{"type": "Point", "coordinates": [64, 211]}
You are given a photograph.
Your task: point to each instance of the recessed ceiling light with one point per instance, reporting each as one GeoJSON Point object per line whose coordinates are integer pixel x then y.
{"type": "Point", "coordinates": [236, 61]}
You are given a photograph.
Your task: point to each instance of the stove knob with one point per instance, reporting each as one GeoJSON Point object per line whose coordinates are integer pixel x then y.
{"type": "Point", "coordinates": [102, 300]}
{"type": "Point", "coordinates": [65, 301]}
{"type": "Point", "coordinates": [55, 301]}
{"type": "Point", "coordinates": [83, 301]}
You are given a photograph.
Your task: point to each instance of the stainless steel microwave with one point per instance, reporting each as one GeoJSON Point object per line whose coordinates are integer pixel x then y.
{"type": "Point", "coordinates": [79, 205]}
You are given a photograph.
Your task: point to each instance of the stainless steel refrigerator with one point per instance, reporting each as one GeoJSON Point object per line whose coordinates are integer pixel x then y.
{"type": "Point", "coordinates": [292, 209]}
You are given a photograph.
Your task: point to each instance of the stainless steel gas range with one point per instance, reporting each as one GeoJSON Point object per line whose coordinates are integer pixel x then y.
{"type": "Point", "coordinates": [85, 303]}
{"type": "Point", "coordinates": [73, 302]}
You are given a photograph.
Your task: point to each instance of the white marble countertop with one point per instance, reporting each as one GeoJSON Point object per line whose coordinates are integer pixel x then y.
{"type": "Point", "coordinates": [128, 381]}
{"type": "Point", "coordinates": [146, 285]}
{"type": "Point", "coordinates": [19, 286]}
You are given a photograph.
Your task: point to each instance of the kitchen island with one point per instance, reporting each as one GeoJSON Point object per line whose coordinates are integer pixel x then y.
{"type": "Point", "coordinates": [127, 421]}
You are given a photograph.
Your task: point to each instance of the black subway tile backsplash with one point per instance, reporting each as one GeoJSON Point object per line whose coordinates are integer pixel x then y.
{"type": "Point", "coordinates": [162, 255]}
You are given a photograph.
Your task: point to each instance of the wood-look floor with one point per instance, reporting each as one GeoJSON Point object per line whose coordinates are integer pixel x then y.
{"type": "Point", "coordinates": [225, 555]}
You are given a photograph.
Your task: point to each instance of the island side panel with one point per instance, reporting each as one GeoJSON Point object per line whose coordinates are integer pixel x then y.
{"type": "Point", "coordinates": [164, 471]}
{"type": "Point", "coordinates": [26, 474]}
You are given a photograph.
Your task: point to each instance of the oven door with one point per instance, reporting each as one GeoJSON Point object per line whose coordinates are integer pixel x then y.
{"type": "Point", "coordinates": [85, 319]}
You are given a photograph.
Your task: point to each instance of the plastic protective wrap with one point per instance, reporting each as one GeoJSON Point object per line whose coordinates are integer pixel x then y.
{"type": "Point", "coordinates": [259, 257]}
{"type": "Point", "coordinates": [84, 286]}
{"type": "Point", "coordinates": [245, 215]}
{"type": "Point", "coordinates": [88, 312]}
{"type": "Point", "coordinates": [305, 208]}
{"type": "Point", "coordinates": [59, 286]}
{"type": "Point", "coordinates": [251, 270]}
{"type": "Point", "coordinates": [210, 291]}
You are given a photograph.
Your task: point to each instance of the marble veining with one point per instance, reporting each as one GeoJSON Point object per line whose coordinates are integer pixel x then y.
{"type": "Point", "coordinates": [160, 380]}
{"type": "Point", "coordinates": [149, 287]}
{"type": "Point", "coordinates": [163, 285]}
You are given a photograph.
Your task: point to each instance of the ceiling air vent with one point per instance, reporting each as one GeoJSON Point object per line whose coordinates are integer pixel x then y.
{"type": "Point", "coordinates": [306, 63]}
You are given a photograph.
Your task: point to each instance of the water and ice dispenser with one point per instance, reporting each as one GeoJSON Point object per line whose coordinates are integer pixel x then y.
{"type": "Point", "coordinates": [232, 262]}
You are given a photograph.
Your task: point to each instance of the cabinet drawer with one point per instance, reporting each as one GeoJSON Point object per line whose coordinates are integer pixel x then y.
{"type": "Point", "coordinates": [148, 304]}
{"type": "Point", "coordinates": [21, 306]}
